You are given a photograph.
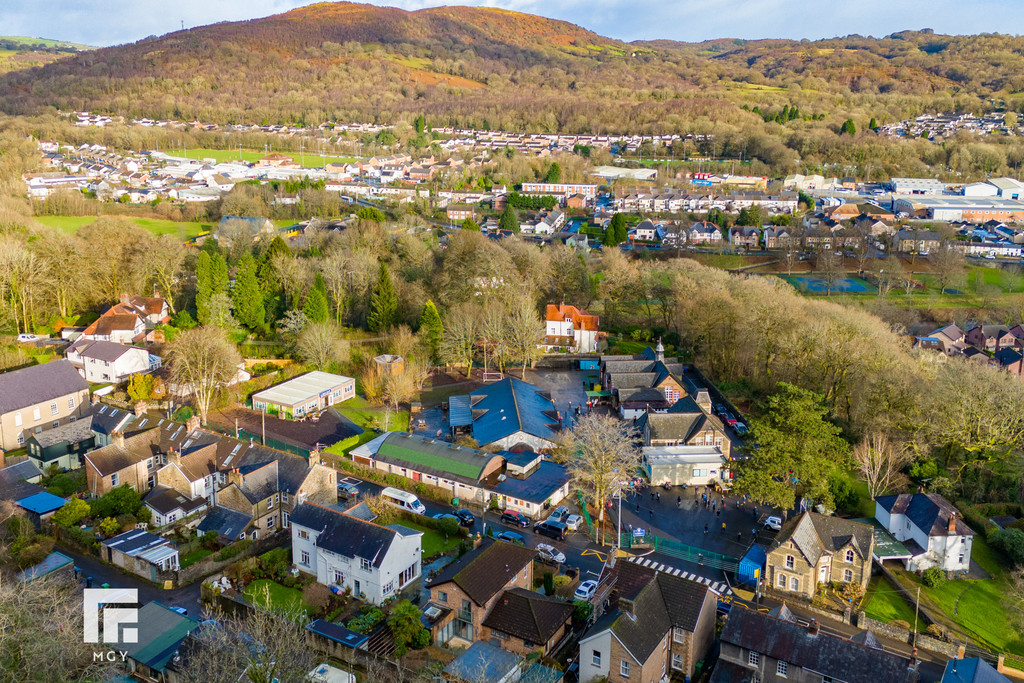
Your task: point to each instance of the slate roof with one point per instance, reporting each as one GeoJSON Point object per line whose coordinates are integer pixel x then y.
{"type": "Point", "coordinates": [164, 500]}
{"type": "Point", "coordinates": [531, 616]}
{"type": "Point", "coordinates": [930, 512]}
{"type": "Point", "coordinates": [540, 485]}
{"type": "Point", "coordinates": [482, 663]}
{"type": "Point", "coordinates": [428, 455]}
{"type": "Point", "coordinates": [485, 570]}
{"type": "Point", "coordinates": [106, 419]}
{"type": "Point", "coordinates": [1006, 356]}
{"type": "Point", "coordinates": [816, 535]}
{"type": "Point", "coordinates": [511, 405]}
{"type": "Point", "coordinates": [39, 384]}
{"type": "Point", "coordinates": [226, 522]}
{"type": "Point", "coordinates": [12, 481]}
{"type": "Point", "coordinates": [67, 433]}
{"type": "Point", "coordinates": [100, 349]}
{"type": "Point", "coordinates": [973, 670]}
{"type": "Point", "coordinates": [135, 541]}
{"type": "Point", "coordinates": [347, 536]}
{"type": "Point", "coordinates": [822, 653]}
{"type": "Point", "coordinates": [161, 631]}
{"type": "Point", "coordinates": [115, 457]}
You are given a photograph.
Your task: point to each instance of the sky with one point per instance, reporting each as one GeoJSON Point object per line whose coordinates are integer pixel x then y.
{"type": "Point", "coordinates": [111, 22]}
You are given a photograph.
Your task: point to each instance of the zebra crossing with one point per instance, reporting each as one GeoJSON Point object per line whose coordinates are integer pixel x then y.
{"type": "Point", "coordinates": [717, 586]}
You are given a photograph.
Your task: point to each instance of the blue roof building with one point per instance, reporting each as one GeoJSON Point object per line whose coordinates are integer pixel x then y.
{"type": "Point", "coordinates": [509, 414]}
{"type": "Point", "coordinates": [42, 503]}
{"type": "Point", "coordinates": [973, 670]}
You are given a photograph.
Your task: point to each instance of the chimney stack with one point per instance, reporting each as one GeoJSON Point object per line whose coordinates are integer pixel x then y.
{"type": "Point", "coordinates": [952, 524]}
{"type": "Point", "coordinates": [314, 457]}
{"type": "Point", "coordinates": [626, 605]}
{"type": "Point", "coordinates": [141, 408]}
{"type": "Point", "coordinates": [117, 439]}
{"type": "Point", "coordinates": [173, 456]}
{"type": "Point", "coordinates": [812, 628]}
{"type": "Point", "coordinates": [192, 423]}
{"type": "Point", "coordinates": [235, 477]}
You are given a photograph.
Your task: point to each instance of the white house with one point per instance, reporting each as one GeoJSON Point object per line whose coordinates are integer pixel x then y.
{"type": "Point", "coordinates": [931, 529]}
{"type": "Point", "coordinates": [344, 551]}
{"type": "Point", "coordinates": [168, 505]}
{"type": "Point", "coordinates": [570, 327]}
{"type": "Point", "coordinates": [107, 361]}
{"type": "Point", "coordinates": [690, 465]}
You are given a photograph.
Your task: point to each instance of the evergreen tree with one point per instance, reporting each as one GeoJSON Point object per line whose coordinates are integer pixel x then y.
{"type": "Point", "coordinates": [218, 275]}
{"type": "Point", "coordinates": [204, 285]}
{"type": "Point", "coordinates": [873, 124]}
{"type": "Point", "coordinates": [421, 124]}
{"type": "Point", "coordinates": [315, 306]}
{"type": "Point", "coordinates": [383, 303]}
{"type": "Point", "coordinates": [617, 231]}
{"type": "Point", "coordinates": [554, 173]}
{"type": "Point", "coordinates": [246, 295]}
{"type": "Point", "coordinates": [848, 128]}
{"type": "Point", "coordinates": [432, 329]}
{"type": "Point", "coordinates": [509, 220]}
{"type": "Point", "coordinates": [470, 224]}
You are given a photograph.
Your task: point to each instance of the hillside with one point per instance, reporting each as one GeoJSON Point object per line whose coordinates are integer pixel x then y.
{"type": "Point", "coordinates": [21, 52]}
{"type": "Point", "coordinates": [489, 67]}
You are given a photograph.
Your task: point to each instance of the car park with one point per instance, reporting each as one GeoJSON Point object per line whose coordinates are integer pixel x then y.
{"type": "Point", "coordinates": [515, 518]}
{"type": "Point", "coordinates": [774, 523]}
{"type": "Point", "coordinates": [555, 530]}
{"type": "Point", "coordinates": [549, 553]}
{"type": "Point", "coordinates": [511, 537]}
{"type": "Point", "coordinates": [573, 522]}
{"type": "Point", "coordinates": [585, 590]}
{"type": "Point", "coordinates": [466, 517]}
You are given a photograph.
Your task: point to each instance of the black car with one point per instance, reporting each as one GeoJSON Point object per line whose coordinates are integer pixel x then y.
{"type": "Point", "coordinates": [515, 518]}
{"type": "Point", "coordinates": [466, 517]}
{"type": "Point", "coordinates": [551, 529]}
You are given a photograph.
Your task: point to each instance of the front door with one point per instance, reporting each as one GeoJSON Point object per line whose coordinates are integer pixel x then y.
{"type": "Point", "coordinates": [823, 574]}
{"type": "Point", "coordinates": [415, 476]}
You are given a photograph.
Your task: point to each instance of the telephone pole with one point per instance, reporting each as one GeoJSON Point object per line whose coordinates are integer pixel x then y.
{"type": "Point", "coordinates": [917, 606]}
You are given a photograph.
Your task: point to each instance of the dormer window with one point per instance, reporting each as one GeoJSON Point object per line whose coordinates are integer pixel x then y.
{"type": "Point", "coordinates": [849, 556]}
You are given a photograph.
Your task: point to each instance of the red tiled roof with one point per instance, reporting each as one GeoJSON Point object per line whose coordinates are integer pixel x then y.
{"type": "Point", "coordinates": [580, 319]}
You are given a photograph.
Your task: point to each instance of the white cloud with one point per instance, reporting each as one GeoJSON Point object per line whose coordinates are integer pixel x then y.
{"type": "Point", "coordinates": [106, 22]}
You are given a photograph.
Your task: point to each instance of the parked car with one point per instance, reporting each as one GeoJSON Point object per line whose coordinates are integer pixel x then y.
{"type": "Point", "coordinates": [347, 488]}
{"type": "Point", "coordinates": [515, 518]}
{"type": "Point", "coordinates": [549, 553]}
{"type": "Point", "coordinates": [466, 517]}
{"type": "Point", "coordinates": [740, 428]}
{"type": "Point", "coordinates": [555, 530]}
{"type": "Point", "coordinates": [448, 515]}
{"type": "Point", "coordinates": [718, 409]}
{"type": "Point", "coordinates": [774, 523]}
{"type": "Point", "coordinates": [573, 522]}
{"type": "Point", "coordinates": [511, 537]}
{"type": "Point", "coordinates": [24, 338]}
{"type": "Point", "coordinates": [560, 514]}
{"type": "Point", "coordinates": [585, 590]}
{"type": "Point", "coordinates": [730, 419]}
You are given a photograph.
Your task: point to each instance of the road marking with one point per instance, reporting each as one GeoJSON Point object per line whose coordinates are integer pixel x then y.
{"type": "Point", "coordinates": [598, 555]}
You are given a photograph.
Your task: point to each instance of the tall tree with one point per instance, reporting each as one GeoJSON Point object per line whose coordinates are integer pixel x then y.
{"type": "Point", "coordinates": [948, 263]}
{"type": "Point", "coordinates": [315, 306]}
{"type": "Point", "coordinates": [461, 330]}
{"type": "Point", "coordinates": [800, 447]}
{"type": "Point", "coordinates": [246, 295]}
{"type": "Point", "coordinates": [880, 463]}
{"type": "Point", "coordinates": [320, 345]}
{"type": "Point", "coordinates": [383, 303]}
{"type": "Point", "coordinates": [554, 174]}
{"type": "Point", "coordinates": [524, 331]}
{"type": "Point", "coordinates": [617, 232]}
{"type": "Point", "coordinates": [432, 330]}
{"type": "Point", "coordinates": [599, 452]}
{"type": "Point", "coordinates": [204, 285]}
{"type": "Point", "coordinates": [201, 361]}
{"type": "Point", "coordinates": [509, 221]}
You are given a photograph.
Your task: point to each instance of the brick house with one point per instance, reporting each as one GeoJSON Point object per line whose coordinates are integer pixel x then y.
{"type": "Point", "coordinates": [464, 593]}
{"type": "Point", "coordinates": [656, 624]}
{"type": "Point", "coordinates": [990, 337]}
{"type": "Point", "coordinates": [523, 621]}
{"type": "Point", "coordinates": [745, 237]}
{"type": "Point", "coordinates": [812, 549]}
{"type": "Point", "coordinates": [950, 340]}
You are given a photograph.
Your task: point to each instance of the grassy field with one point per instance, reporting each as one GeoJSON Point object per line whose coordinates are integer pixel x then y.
{"type": "Point", "coordinates": [48, 42]}
{"type": "Point", "coordinates": [189, 559]}
{"type": "Point", "coordinates": [71, 225]}
{"type": "Point", "coordinates": [311, 160]}
{"type": "Point", "coordinates": [273, 596]}
{"type": "Point", "coordinates": [433, 542]}
{"type": "Point", "coordinates": [884, 603]}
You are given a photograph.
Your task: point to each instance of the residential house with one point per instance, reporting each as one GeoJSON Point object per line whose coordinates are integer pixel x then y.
{"type": "Point", "coordinates": [378, 562]}
{"type": "Point", "coordinates": [656, 625]}
{"type": "Point", "coordinates": [704, 232]}
{"type": "Point", "coordinates": [460, 212]}
{"type": "Point", "coordinates": [168, 505]}
{"type": "Point", "coordinates": [152, 309]}
{"type": "Point", "coordinates": [524, 622]}
{"type": "Point", "coordinates": [39, 397]}
{"type": "Point", "coordinates": [510, 414]}
{"type": "Point", "coordinates": [161, 631]}
{"type": "Point", "coordinates": [229, 524]}
{"type": "Point", "coordinates": [466, 590]}
{"type": "Point", "coordinates": [645, 231]}
{"type": "Point", "coordinates": [569, 327]}
{"type": "Point", "coordinates": [62, 446]}
{"type": "Point", "coordinates": [18, 481]}
{"type": "Point", "coordinates": [133, 460]}
{"type": "Point", "coordinates": [950, 340]}
{"type": "Point", "coordinates": [104, 361]}
{"type": "Point", "coordinates": [813, 549]}
{"type": "Point", "coordinates": [140, 552]}
{"type": "Point", "coordinates": [930, 528]}
{"type": "Point", "coordinates": [687, 423]}
{"type": "Point", "coordinates": [463, 471]}
{"type": "Point", "coordinates": [990, 337]}
{"type": "Point", "coordinates": [118, 327]}
{"type": "Point", "coordinates": [780, 238]}
{"type": "Point", "coordinates": [755, 646]}
{"type": "Point", "coordinates": [971, 670]}
{"type": "Point", "coordinates": [915, 241]}
{"type": "Point", "coordinates": [1010, 360]}
{"type": "Point", "coordinates": [748, 237]}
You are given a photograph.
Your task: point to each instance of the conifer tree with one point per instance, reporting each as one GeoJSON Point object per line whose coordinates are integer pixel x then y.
{"type": "Point", "coordinates": [432, 329]}
{"type": "Point", "coordinates": [246, 295]}
{"type": "Point", "coordinates": [383, 303]}
{"type": "Point", "coordinates": [509, 220]}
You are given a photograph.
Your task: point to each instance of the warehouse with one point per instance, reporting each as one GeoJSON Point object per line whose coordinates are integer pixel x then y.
{"type": "Point", "coordinates": [304, 395]}
{"type": "Point", "coordinates": [973, 209]}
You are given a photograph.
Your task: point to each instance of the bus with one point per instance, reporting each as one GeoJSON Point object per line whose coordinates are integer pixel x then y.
{"type": "Point", "coordinates": [403, 500]}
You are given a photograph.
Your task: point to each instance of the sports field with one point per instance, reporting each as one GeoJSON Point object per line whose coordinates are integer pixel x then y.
{"type": "Point", "coordinates": [309, 160]}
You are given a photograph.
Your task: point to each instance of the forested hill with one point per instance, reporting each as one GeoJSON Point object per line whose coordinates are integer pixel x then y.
{"type": "Point", "coordinates": [490, 67]}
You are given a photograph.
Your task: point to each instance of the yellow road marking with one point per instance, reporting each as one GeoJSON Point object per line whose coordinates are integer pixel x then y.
{"type": "Point", "coordinates": [595, 553]}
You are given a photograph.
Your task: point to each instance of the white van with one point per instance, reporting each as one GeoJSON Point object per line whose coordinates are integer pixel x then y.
{"type": "Point", "coordinates": [403, 500]}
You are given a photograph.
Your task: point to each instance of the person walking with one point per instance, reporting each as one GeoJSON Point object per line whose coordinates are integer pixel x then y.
{"type": "Point", "coordinates": [679, 501]}
{"type": "Point", "coordinates": [659, 496]}
{"type": "Point", "coordinates": [723, 527]}
{"type": "Point", "coordinates": [705, 529]}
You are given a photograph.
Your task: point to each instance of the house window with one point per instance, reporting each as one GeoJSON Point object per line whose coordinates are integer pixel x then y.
{"type": "Point", "coordinates": [284, 520]}
{"type": "Point", "coordinates": [754, 658]}
{"type": "Point", "coordinates": [848, 575]}
{"type": "Point", "coordinates": [849, 556]}
{"type": "Point", "coordinates": [270, 503]}
{"type": "Point", "coordinates": [794, 584]}
{"type": "Point", "coordinates": [407, 575]}
{"type": "Point", "coordinates": [114, 479]}
{"type": "Point", "coordinates": [789, 562]}
{"type": "Point", "coordinates": [17, 419]}
{"type": "Point", "coordinates": [53, 408]}
{"type": "Point", "coordinates": [624, 668]}
{"type": "Point", "coordinates": [304, 557]}
{"type": "Point", "coordinates": [149, 463]}
{"type": "Point", "coordinates": [678, 634]}
{"type": "Point", "coordinates": [21, 438]}
{"type": "Point", "coordinates": [364, 564]}
{"type": "Point", "coordinates": [596, 658]}
{"type": "Point", "coordinates": [677, 661]}
{"type": "Point", "coordinates": [339, 578]}
{"type": "Point", "coordinates": [36, 415]}
{"type": "Point", "coordinates": [498, 635]}
{"type": "Point", "coordinates": [171, 517]}
{"type": "Point", "coordinates": [303, 534]}
{"type": "Point", "coordinates": [71, 403]}
{"type": "Point", "coordinates": [442, 597]}
{"type": "Point", "coordinates": [782, 580]}
{"type": "Point", "coordinates": [781, 668]}
{"type": "Point", "coordinates": [270, 522]}
{"type": "Point", "coordinates": [284, 497]}
{"type": "Point", "coordinates": [388, 587]}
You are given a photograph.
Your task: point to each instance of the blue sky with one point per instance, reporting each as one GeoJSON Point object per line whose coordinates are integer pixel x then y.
{"type": "Point", "coordinates": [109, 22]}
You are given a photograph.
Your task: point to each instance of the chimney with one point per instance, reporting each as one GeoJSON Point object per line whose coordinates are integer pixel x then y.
{"type": "Point", "coordinates": [192, 423]}
{"type": "Point", "coordinates": [952, 524]}
{"type": "Point", "coordinates": [117, 439]}
{"type": "Point", "coordinates": [812, 628]}
{"type": "Point", "coordinates": [174, 457]}
{"type": "Point", "coordinates": [235, 477]}
{"type": "Point", "coordinates": [626, 605]}
{"type": "Point", "coordinates": [125, 298]}
{"type": "Point", "coordinates": [141, 408]}
{"type": "Point", "coordinates": [704, 400]}
{"type": "Point", "coordinates": [314, 457]}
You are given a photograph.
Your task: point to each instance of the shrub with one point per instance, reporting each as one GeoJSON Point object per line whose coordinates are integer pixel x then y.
{"type": "Point", "coordinates": [421, 639]}
{"type": "Point", "coordinates": [210, 540]}
{"type": "Point", "coordinates": [448, 527]}
{"type": "Point", "coordinates": [549, 583]}
{"type": "Point", "coordinates": [109, 526]}
{"type": "Point", "coordinates": [73, 512]}
{"type": "Point", "coordinates": [1011, 542]}
{"type": "Point", "coordinates": [123, 500]}
{"type": "Point", "coordinates": [317, 595]}
{"type": "Point", "coordinates": [34, 553]}
{"type": "Point", "coordinates": [365, 622]}
{"type": "Point", "coordinates": [562, 580]}
{"type": "Point", "coordinates": [938, 631]}
{"type": "Point", "coordinates": [233, 550]}
{"type": "Point", "coordinates": [933, 577]}
{"type": "Point", "coordinates": [582, 611]}
{"type": "Point", "coordinates": [899, 623]}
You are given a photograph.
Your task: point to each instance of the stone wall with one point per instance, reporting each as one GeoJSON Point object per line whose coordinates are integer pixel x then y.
{"type": "Point", "coordinates": [209, 565]}
{"type": "Point", "coordinates": [904, 635]}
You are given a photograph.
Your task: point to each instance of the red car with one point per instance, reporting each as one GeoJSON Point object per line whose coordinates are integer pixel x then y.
{"type": "Point", "coordinates": [515, 518]}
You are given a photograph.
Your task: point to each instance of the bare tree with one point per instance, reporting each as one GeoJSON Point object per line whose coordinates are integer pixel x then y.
{"type": "Point", "coordinates": [599, 452]}
{"type": "Point", "coordinates": [461, 330]}
{"type": "Point", "coordinates": [320, 345]}
{"type": "Point", "coordinates": [829, 267]}
{"type": "Point", "coordinates": [790, 255]}
{"type": "Point", "coordinates": [524, 331]}
{"type": "Point", "coordinates": [947, 265]}
{"type": "Point", "coordinates": [201, 361]}
{"type": "Point", "coordinates": [880, 463]}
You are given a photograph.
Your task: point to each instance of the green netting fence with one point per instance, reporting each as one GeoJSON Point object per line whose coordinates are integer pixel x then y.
{"type": "Point", "coordinates": [687, 553]}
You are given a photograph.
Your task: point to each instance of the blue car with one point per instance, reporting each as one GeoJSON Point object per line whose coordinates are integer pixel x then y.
{"type": "Point", "coordinates": [511, 537]}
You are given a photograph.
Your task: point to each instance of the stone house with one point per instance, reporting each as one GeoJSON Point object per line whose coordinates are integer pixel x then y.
{"type": "Point", "coordinates": [37, 398]}
{"type": "Point", "coordinates": [814, 549]}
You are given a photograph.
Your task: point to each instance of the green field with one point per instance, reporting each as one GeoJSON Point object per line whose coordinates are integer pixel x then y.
{"type": "Point", "coordinates": [275, 597]}
{"type": "Point", "coordinates": [311, 160]}
{"type": "Point", "coordinates": [884, 603]}
{"type": "Point", "coordinates": [48, 42]}
{"type": "Point", "coordinates": [433, 541]}
{"type": "Point", "coordinates": [71, 224]}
